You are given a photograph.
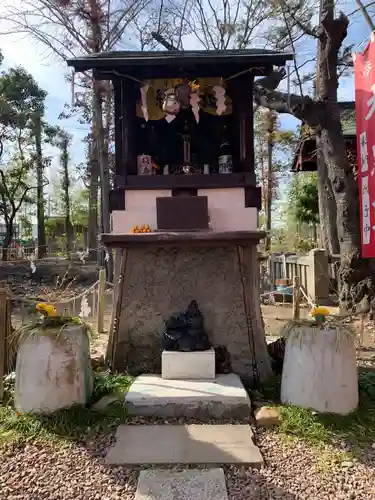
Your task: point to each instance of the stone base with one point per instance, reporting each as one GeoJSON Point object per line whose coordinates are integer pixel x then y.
{"type": "Point", "coordinates": [159, 484]}
{"type": "Point", "coordinates": [160, 281]}
{"type": "Point", "coordinates": [153, 396]}
{"type": "Point", "coordinates": [198, 365]}
{"type": "Point", "coordinates": [206, 445]}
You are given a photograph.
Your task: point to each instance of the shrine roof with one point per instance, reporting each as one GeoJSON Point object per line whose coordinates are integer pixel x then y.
{"type": "Point", "coordinates": [165, 60]}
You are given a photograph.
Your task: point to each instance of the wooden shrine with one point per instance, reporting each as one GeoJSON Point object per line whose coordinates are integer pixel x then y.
{"type": "Point", "coordinates": [305, 158]}
{"type": "Point", "coordinates": [184, 202]}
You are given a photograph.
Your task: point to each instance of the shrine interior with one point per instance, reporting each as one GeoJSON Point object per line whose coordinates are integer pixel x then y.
{"type": "Point", "coordinates": [164, 141]}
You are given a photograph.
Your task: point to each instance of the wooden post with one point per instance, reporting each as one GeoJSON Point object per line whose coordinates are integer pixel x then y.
{"type": "Point", "coordinates": [4, 322]}
{"type": "Point", "coordinates": [296, 297]}
{"type": "Point", "coordinates": [100, 301]}
{"type": "Point", "coordinates": [285, 268]}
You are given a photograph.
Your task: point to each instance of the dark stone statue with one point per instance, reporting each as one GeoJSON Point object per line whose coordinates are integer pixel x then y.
{"type": "Point", "coordinates": [185, 331]}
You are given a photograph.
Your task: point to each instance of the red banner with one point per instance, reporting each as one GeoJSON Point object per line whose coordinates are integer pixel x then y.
{"type": "Point", "coordinates": [364, 72]}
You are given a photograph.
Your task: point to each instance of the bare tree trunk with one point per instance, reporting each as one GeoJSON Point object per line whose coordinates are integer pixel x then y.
{"type": "Point", "coordinates": [66, 195]}
{"type": "Point", "coordinates": [108, 119]}
{"type": "Point", "coordinates": [92, 230]}
{"type": "Point", "coordinates": [354, 280]}
{"type": "Point", "coordinates": [104, 170]}
{"type": "Point", "coordinates": [40, 187]}
{"type": "Point", "coordinates": [9, 228]}
{"type": "Point", "coordinates": [327, 205]}
{"type": "Point", "coordinates": [270, 139]}
{"type": "Point", "coordinates": [98, 129]}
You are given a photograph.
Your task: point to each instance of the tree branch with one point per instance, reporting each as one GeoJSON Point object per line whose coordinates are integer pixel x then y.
{"type": "Point", "coordinates": [302, 107]}
{"type": "Point", "coordinates": [308, 31]}
{"type": "Point", "coordinates": [159, 38]}
{"type": "Point", "coordinates": [335, 29]}
{"type": "Point", "coordinates": [366, 15]}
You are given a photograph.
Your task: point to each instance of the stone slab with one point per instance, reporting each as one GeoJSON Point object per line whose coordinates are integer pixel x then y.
{"type": "Point", "coordinates": [158, 484]}
{"type": "Point", "coordinates": [208, 445]}
{"type": "Point", "coordinates": [199, 365]}
{"type": "Point", "coordinates": [224, 397]}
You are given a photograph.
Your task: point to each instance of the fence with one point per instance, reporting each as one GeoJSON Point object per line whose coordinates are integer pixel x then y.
{"type": "Point", "coordinates": [5, 333]}
{"type": "Point", "coordinates": [20, 252]}
{"type": "Point", "coordinates": [90, 305]}
{"type": "Point", "coordinates": [316, 271]}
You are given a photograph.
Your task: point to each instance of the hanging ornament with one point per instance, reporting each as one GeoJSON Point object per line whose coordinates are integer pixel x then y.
{"type": "Point", "coordinates": [219, 92]}
{"type": "Point", "coordinates": [83, 255]}
{"type": "Point", "coordinates": [85, 308]}
{"type": "Point", "coordinates": [171, 106]}
{"type": "Point", "coordinates": [144, 90]}
{"type": "Point", "coordinates": [32, 265]}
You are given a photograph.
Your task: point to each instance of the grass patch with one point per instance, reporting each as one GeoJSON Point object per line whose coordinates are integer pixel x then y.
{"type": "Point", "coordinates": [107, 383]}
{"type": "Point", "coordinates": [66, 426]}
{"type": "Point", "coordinates": [356, 429]}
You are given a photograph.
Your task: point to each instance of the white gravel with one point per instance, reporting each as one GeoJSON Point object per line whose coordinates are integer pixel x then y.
{"type": "Point", "coordinates": [294, 472]}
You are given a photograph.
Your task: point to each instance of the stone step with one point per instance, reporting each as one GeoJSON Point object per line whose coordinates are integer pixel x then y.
{"type": "Point", "coordinates": [198, 484]}
{"type": "Point", "coordinates": [208, 445]}
{"type": "Point", "coordinates": [223, 397]}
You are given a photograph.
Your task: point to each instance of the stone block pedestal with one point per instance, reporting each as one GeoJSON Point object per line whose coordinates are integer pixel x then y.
{"type": "Point", "coordinates": [153, 396]}
{"type": "Point", "coordinates": [199, 365]}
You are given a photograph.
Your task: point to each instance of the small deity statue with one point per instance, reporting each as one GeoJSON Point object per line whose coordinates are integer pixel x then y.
{"type": "Point", "coordinates": [185, 331]}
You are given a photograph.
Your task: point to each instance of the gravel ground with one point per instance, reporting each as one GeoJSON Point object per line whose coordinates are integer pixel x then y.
{"type": "Point", "coordinates": [294, 472]}
{"type": "Point", "coordinates": [77, 473]}
{"type": "Point", "coordinates": [297, 472]}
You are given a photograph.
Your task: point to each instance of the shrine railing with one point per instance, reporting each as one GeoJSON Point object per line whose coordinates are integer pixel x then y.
{"type": "Point", "coordinates": [317, 273]}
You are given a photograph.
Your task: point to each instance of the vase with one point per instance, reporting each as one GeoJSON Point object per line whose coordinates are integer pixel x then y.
{"type": "Point", "coordinates": [320, 370]}
{"type": "Point", "coordinates": [53, 369]}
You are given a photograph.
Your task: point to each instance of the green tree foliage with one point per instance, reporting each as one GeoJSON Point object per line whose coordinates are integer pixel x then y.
{"type": "Point", "coordinates": [303, 198]}
{"type": "Point", "coordinates": [299, 215]}
{"type": "Point", "coordinates": [14, 190]}
{"type": "Point", "coordinates": [21, 101]}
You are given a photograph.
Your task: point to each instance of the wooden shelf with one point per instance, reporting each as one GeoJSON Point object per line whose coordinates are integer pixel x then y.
{"type": "Point", "coordinates": [212, 181]}
{"type": "Point", "coordinates": [193, 238]}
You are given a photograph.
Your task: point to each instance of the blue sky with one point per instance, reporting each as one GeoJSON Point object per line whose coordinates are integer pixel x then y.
{"type": "Point", "coordinates": [50, 73]}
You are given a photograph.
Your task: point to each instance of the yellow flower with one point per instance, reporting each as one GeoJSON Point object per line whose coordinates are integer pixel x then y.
{"type": "Point", "coordinates": [47, 309]}
{"type": "Point", "coordinates": [320, 311]}
{"type": "Point", "coordinates": [50, 310]}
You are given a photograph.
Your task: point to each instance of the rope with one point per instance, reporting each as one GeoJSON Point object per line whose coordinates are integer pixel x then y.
{"type": "Point", "coordinates": [235, 75]}
{"type": "Point", "coordinates": [275, 292]}
{"type": "Point", "coordinates": [67, 301]}
{"type": "Point", "coordinates": [250, 333]}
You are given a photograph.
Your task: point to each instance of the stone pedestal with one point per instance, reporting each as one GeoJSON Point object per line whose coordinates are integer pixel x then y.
{"type": "Point", "coordinates": [158, 281]}
{"type": "Point", "coordinates": [222, 398]}
{"type": "Point", "coordinates": [198, 365]}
